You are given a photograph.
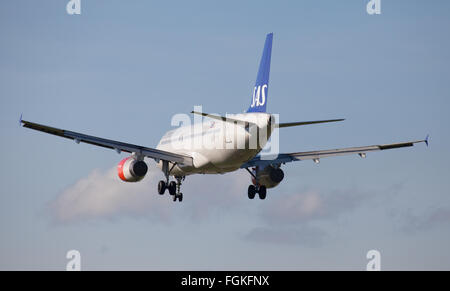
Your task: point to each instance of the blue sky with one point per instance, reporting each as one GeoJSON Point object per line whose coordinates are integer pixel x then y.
{"type": "Point", "coordinates": [121, 69]}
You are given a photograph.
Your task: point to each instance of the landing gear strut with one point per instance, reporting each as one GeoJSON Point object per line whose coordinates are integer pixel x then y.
{"type": "Point", "coordinates": [172, 186]}
{"type": "Point", "coordinates": [260, 189]}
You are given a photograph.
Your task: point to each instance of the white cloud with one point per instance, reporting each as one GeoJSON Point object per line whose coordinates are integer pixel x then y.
{"type": "Point", "coordinates": [310, 206]}
{"type": "Point", "coordinates": [103, 195]}
{"type": "Point", "coordinates": [290, 219]}
{"type": "Point", "coordinates": [286, 218]}
{"type": "Point", "coordinates": [293, 208]}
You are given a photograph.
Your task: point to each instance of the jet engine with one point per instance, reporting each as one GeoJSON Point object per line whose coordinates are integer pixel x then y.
{"type": "Point", "coordinates": [131, 169]}
{"type": "Point", "coordinates": [269, 176]}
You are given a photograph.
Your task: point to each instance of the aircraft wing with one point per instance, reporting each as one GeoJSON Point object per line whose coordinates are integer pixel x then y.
{"type": "Point", "coordinates": [317, 155]}
{"type": "Point", "coordinates": [111, 144]}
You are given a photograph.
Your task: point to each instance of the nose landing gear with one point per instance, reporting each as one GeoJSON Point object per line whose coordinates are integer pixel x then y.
{"type": "Point", "coordinates": [173, 187]}
{"type": "Point", "coordinates": [177, 194]}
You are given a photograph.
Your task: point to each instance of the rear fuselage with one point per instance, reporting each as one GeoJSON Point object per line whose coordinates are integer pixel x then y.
{"type": "Point", "coordinates": [218, 146]}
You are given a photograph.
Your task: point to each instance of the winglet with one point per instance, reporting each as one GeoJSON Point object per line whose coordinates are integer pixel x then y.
{"type": "Point", "coordinates": [20, 120]}
{"type": "Point", "coordinates": [426, 139]}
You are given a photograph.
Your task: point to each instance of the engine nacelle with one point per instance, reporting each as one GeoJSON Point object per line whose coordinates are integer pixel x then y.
{"type": "Point", "coordinates": [269, 176]}
{"type": "Point", "coordinates": [131, 170]}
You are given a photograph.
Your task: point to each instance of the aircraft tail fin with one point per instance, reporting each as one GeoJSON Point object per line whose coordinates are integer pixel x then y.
{"type": "Point", "coordinates": [261, 90]}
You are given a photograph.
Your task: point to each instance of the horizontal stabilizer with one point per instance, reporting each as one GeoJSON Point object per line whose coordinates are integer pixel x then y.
{"type": "Point", "coordinates": [223, 118]}
{"type": "Point", "coordinates": [289, 124]}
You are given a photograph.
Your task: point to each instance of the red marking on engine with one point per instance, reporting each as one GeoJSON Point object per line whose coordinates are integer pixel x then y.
{"type": "Point", "coordinates": [120, 169]}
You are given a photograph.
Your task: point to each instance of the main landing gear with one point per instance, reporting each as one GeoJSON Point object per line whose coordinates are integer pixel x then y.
{"type": "Point", "coordinates": [261, 190]}
{"type": "Point", "coordinates": [172, 186]}
{"type": "Point", "coordinates": [256, 188]}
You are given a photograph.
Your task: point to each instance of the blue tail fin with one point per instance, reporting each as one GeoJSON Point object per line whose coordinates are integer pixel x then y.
{"type": "Point", "coordinates": [261, 90]}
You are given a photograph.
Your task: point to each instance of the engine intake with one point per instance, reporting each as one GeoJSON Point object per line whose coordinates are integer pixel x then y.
{"type": "Point", "coordinates": [131, 170]}
{"type": "Point", "coordinates": [269, 176]}
{"type": "Point", "coordinates": [276, 175]}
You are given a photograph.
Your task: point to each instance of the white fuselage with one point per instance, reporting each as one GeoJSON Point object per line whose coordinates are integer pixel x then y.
{"type": "Point", "coordinates": [217, 146]}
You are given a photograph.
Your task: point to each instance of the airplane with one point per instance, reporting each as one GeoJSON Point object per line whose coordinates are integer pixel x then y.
{"type": "Point", "coordinates": [194, 158]}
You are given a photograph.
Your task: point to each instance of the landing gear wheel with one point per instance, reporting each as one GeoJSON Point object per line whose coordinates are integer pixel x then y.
{"type": "Point", "coordinates": [175, 198]}
{"type": "Point", "coordinates": [262, 192]}
{"type": "Point", "coordinates": [172, 188]}
{"type": "Point", "coordinates": [251, 191]}
{"type": "Point", "coordinates": [161, 187]}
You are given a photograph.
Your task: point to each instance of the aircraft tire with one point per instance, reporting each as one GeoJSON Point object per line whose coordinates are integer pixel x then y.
{"type": "Point", "coordinates": [262, 192]}
{"type": "Point", "coordinates": [161, 187]}
{"type": "Point", "coordinates": [251, 191]}
{"type": "Point", "coordinates": [172, 188]}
